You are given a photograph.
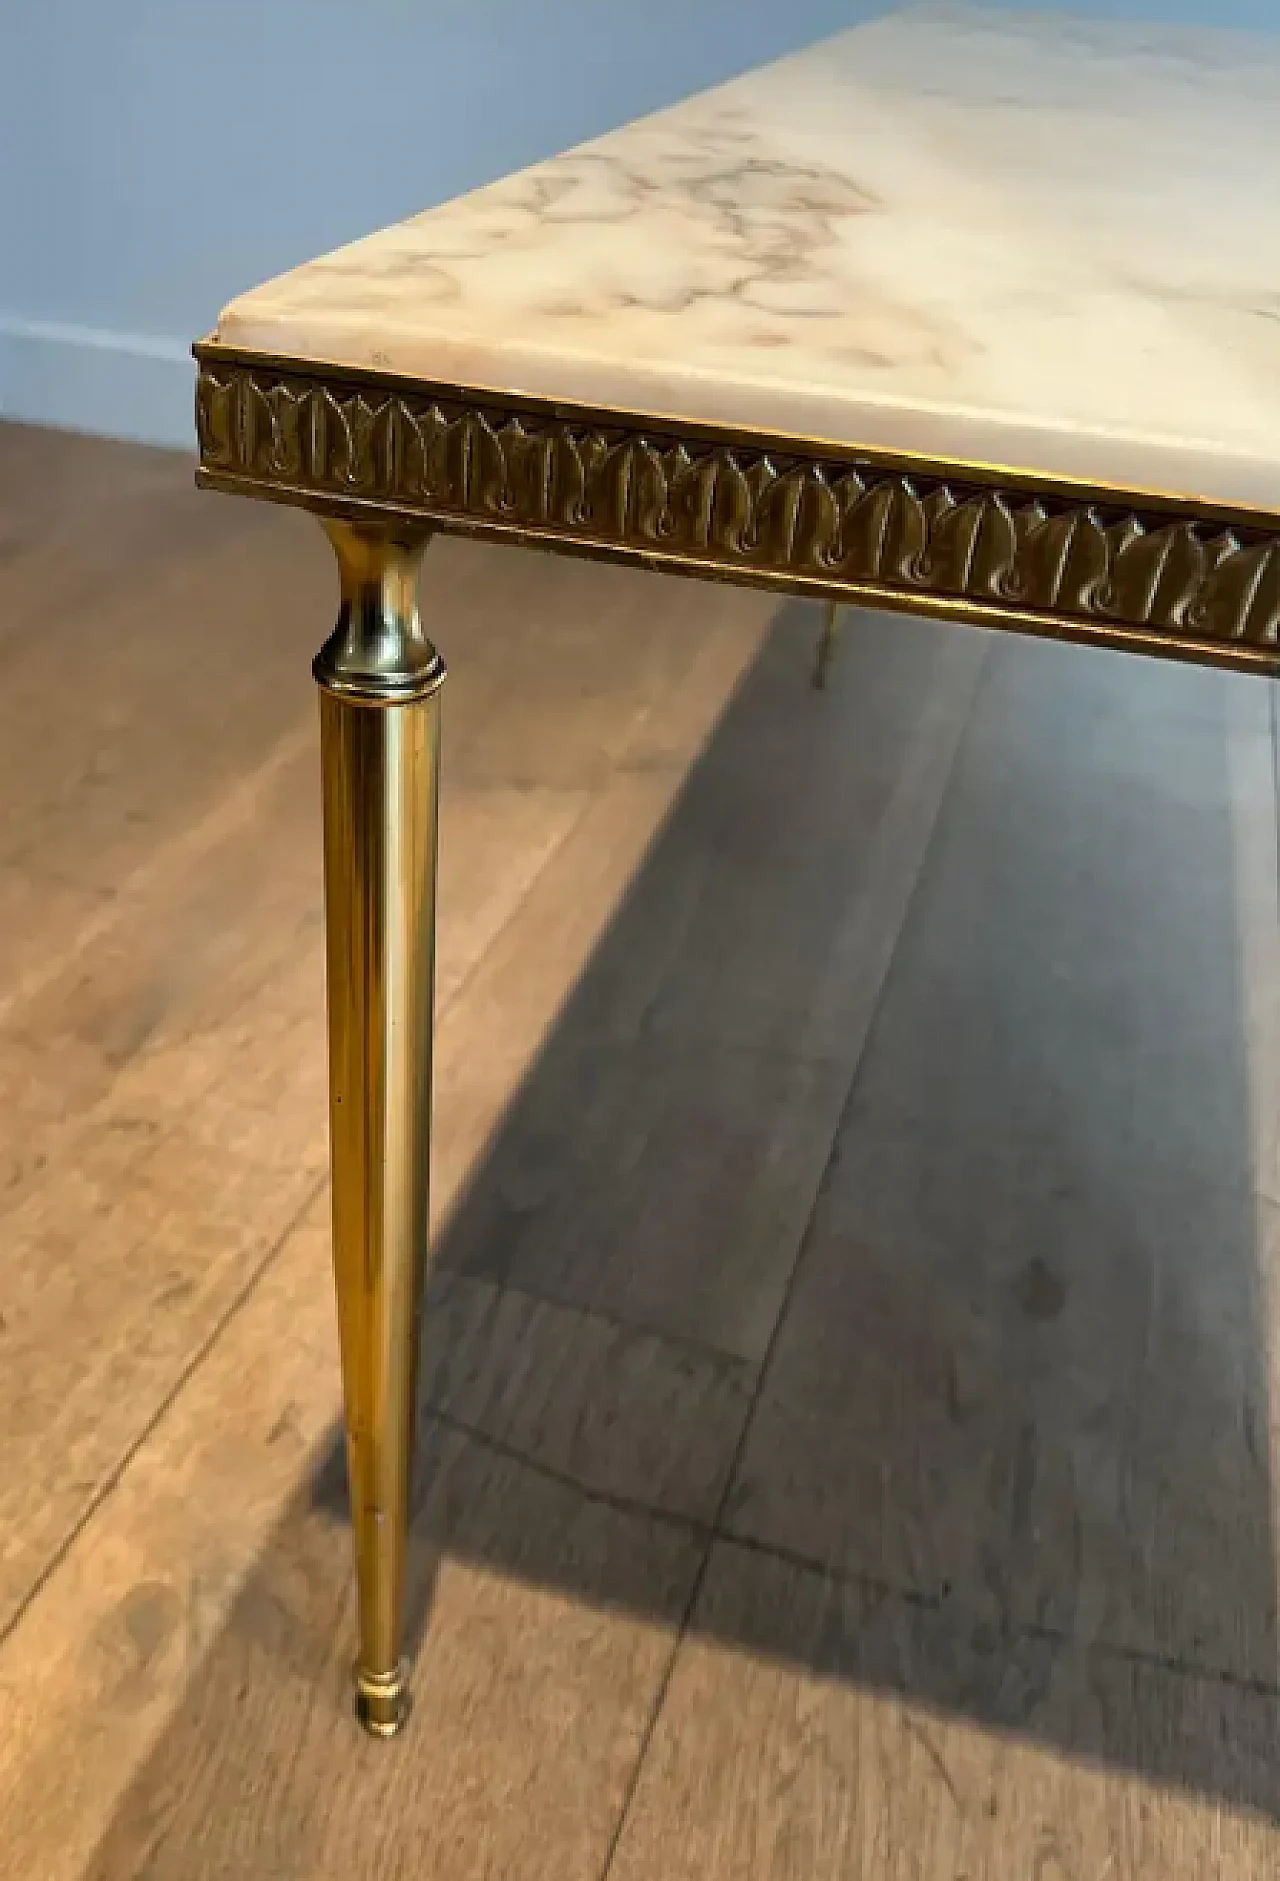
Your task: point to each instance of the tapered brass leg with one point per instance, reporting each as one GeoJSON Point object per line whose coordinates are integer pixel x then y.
{"type": "Point", "coordinates": [826, 644]}
{"type": "Point", "coordinates": [379, 680]}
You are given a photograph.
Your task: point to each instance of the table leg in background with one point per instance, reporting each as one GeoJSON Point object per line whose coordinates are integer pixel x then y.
{"type": "Point", "coordinates": [826, 644]}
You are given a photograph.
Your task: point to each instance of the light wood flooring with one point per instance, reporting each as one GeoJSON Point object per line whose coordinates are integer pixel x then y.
{"type": "Point", "coordinates": [849, 1408]}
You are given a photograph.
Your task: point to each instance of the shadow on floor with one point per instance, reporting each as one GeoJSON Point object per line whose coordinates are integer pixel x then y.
{"type": "Point", "coordinates": [946, 1344]}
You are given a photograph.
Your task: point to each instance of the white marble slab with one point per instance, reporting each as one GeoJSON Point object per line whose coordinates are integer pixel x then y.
{"type": "Point", "coordinates": [1039, 242]}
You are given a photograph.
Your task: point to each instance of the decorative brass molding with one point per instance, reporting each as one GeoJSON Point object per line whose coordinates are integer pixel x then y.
{"type": "Point", "coordinates": [995, 547]}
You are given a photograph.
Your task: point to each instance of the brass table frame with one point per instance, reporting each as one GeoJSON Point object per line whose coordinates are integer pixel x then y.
{"type": "Point", "coordinates": [387, 462]}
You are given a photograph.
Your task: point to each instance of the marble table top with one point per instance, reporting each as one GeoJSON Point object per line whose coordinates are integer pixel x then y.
{"type": "Point", "coordinates": [1024, 241]}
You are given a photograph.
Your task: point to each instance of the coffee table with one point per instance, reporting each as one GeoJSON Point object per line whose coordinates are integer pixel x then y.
{"type": "Point", "coordinates": [960, 313]}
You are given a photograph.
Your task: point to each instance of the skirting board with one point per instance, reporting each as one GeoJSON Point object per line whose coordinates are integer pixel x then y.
{"type": "Point", "coordinates": [121, 385]}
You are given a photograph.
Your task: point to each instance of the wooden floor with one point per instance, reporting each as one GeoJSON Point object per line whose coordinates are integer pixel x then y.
{"type": "Point", "coordinates": [849, 1402]}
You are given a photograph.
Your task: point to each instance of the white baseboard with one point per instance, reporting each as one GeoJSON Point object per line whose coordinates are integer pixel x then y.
{"type": "Point", "coordinates": [121, 385]}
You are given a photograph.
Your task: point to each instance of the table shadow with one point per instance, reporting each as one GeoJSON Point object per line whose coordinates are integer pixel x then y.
{"type": "Point", "coordinates": [1082, 1556]}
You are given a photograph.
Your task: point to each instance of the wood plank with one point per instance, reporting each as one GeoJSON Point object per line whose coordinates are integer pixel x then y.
{"type": "Point", "coordinates": [676, 844]}
{"type": "Point", "coordinates": [1080, 923]}
{"type": "Point", "coordinates": [199, 989]}
{"type": "Point", "coordinates": [535, 1702]}
{"type": "Point", "coordinates": [56, 481]}
{"type": "Point", "coordinates": [167, 1119]}
{"type": "Point", "coordinates": [89, 1676]}
{"type": "Point", "coordinates": [617, 1412]}
{"type": "Point", "coordinates": [119, 1261]}
{"type": "Point", "coordinates": [668, 1188]}
{"type": "Point", "coordinates": [813, 1728]}
{"type": "Point", "coordinates": [773, 899]}
{"type": "Point", "coordinates": [180, 661]}
{"type": "Point", "coordinates": [560, 669]}
{"type": "Point", "coordinates": [662, 1158]}
{"type": "Point", "coordinates": [161, 1030]}
{"type": "Point", "coordinates": [176, 1680]}
{"type": "Point", "coordinates": [1027, 1364]}
{"type": "Point", "coordinates": [187, 1008]}
{"type": "Point", "coordinates": [176, 673]}
{"type": "Point", "coordinates": [176, 1698]}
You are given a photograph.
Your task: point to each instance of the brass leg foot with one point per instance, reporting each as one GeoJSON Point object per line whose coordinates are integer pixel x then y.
{"type": "Point", "coordinates": [383, 1704]}
{"type": "Point", "coordinates": [826, 644]}
{"type": "Point", "coordinates": [379, 680]}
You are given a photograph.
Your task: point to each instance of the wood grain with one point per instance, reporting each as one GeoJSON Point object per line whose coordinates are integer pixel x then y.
{"type": "Point", "coordinates": [176, 1699]}
{"type": "Point", "coordinates": [819, 1728]}
{"type": "Point", "coordinates": [664, 1152]}
{"type": "Point", "coordinates": [161, 999]}
{"type": "Point", "coordinates": [533, 1702]}
{"type": "Point", "coordinates": [1028, 1364]}
{"type": "Point", "coordinates": [1023, 1388]}
{"type": "Point", "coordinates": [620, 1413]}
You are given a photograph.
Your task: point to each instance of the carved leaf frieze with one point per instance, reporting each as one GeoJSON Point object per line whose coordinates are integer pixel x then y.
{"type": "Point", "coordinates": [745, 508]}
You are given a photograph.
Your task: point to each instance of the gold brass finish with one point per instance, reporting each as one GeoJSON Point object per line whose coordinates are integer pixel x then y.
{"type": "Point", "coordinates": [995, 547]}
{"type": "Point", "coordinates": [826, 645]}
{"type": "Point", "coordinates": [379, 680]}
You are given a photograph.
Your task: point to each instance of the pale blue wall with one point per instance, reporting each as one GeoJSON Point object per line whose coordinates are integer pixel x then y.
{"type": "Point", "coordinates": [158, 155]}
{"type": "Point", "coordinates": [173, 152]}
{"type": "Point", "coordinates": [1239, 15]}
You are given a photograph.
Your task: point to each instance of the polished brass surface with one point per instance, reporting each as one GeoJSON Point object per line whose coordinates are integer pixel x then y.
{"type": "Point", "coordinates": [826, 645]}
{"type": "Point", "coordinates": [379, 681]}
{"type": "Point", "coordinates": [997, 547]}
{"type": "Point", "coordinates": [378, 653]}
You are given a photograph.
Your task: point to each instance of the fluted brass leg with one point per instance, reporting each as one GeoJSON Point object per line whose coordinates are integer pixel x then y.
{"type": "Point", "coordinates": [379, 679]}
{"type": "Point", "coordinates": [826, 644]}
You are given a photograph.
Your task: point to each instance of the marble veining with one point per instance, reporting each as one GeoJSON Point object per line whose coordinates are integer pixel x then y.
{"type": "Point", "coordinates": [1047, 243]}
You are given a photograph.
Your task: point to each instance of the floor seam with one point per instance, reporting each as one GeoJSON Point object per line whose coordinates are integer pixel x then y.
{"type": "Point", "coordinates": [717, 1357]}
{"type": "Point", "coordinates": [226, 815]}
{"type": "Point", "coordinates": [802, 1246]}
{"type": "Point", "coordinates": [833, 1153]}
{"type": "Point", "coordinates": [468, 977]}
{"type": "Point", "coordinates": [564, 1479]}
{"type": "Point", "coordinates": [940, 1603]}
{"type": "Point", "coordinates": [113, 1477]}
{"type": "Point", "coordinates": [593, 795]}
